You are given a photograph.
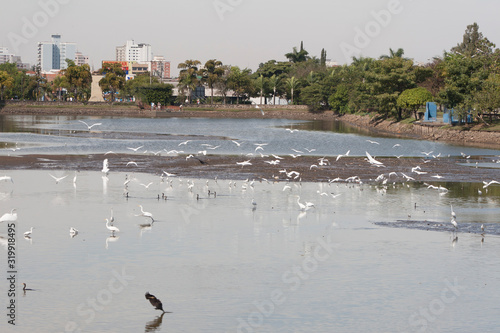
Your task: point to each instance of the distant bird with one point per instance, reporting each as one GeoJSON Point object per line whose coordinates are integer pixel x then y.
{"type": "Point", "coordinates": [131, 163]}
{"type": "Point", "coordinates": [396, 145]}
{"type": "Point", "coordinates": [89, 127]}
{"type": "Point", "coordinates": [135, 149]}
{"type": "Point", "coordinates": [58, 179]}
{"type": "Point", "coordinates": [254, 203]}
{"type": "Point", "coordinates": [154, 302]}
{"type": "Point", "coordinates": [184, 142]}
{"type": "Point", "coordinates": [482, 227]}
{"type": "Point", "coordinates": [486, 184]}
{"type": "Point", "coordinates": [374, 142]}
{"type": "Point", "coordinates": [302, 207]}
{"type": "Point", "coordinates": [6, 178]}
{"type": "Point", "coordinates": [455, 224]}
{"type": "Point", "coordinates": [111, 228]}
{"type": "Point", "coordinates": [291, 130]}
{"type": "Point", "coordinates": [9, 217]}
{"type": "Point", "coordinates": [105, 166]}
{"type": "Point", "coordinates": [27, 289]}
{"type": "Point", "coordinates": [453, 215]}
{"type": "Point", "coordinates": [169, 174]}
{"type": "Point", "coordinates": [236, 143]}
{"type": "Point", "coordinates": [373, 161]}
{"type": "Point", "coordinates": [73, 232]}
{"type": "Point", "coordinates": [146, 214]}
{"type": "Point", "coordinates": [340, 155]}
{"type": "Point", "coordinates": [244, 163]}
{"type": "Point", "coordinates": [28, 233]}
{"type": "Point", "coordinates": [146, 185]}
{"type": "Point", "coordinates": [427, 153]}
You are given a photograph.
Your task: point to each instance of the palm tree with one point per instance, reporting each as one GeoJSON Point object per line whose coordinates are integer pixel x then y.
{"type": "Point", "coordinates": [393, 54]}
{"type": "Point", "coordinates": [259, 84]}
{"type": "Point", "coordinates": [274, 81]}
{"type": "Point", "coordinates": [297, 56]}
{"type": "Point", "coordinates": [188, 76]}
{"type": "Point", "coordinates": [292, 84]}
{"type": "Point", "coordinates": [212, 73]}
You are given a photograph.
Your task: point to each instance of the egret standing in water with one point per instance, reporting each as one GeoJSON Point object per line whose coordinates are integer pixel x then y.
{"type": "Point", "coordinates": [28, 233]}
{"type": "Point", "coordinates": [111, 228]}
{"type": "Point", "coordinates": [73, 232]}
{"type": "Point", "coordinates": [454, 223]}
{"type": "Point", "coordinates": [453, 215]}
{"type": "Point", "coordinates": [146, 214]}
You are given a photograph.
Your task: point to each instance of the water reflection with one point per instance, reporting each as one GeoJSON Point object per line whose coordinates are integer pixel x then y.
{"type": "Point", "coordinates": [155, 324]}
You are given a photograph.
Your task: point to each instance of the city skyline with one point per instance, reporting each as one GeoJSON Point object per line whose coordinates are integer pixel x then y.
{"type": "Point", "coordinates": [245, 33]}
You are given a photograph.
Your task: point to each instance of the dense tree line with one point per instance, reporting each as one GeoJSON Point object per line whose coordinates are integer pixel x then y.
{"type": "Point", "coordinates": [464, 78]}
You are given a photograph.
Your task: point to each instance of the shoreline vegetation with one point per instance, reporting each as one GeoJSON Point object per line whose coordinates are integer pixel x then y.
{"type": "Point", "coordinates": [474, 136]}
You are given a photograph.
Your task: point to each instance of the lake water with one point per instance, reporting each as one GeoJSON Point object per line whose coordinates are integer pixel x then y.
{"type": "Point", "coordinates": [375, 259]}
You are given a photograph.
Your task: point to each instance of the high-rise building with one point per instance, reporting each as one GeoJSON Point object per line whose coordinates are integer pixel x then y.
{"type": "Point", "coordinates": [52, 55]}
{"type": "Point", "coordinates": [132, 52]}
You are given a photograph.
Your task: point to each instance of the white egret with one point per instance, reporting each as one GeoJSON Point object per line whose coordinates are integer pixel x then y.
{"type": "Point", "coordinates": [73, 232]}
{"type": "Point", "coordinates": [28, 233]}
{"type": "Point", "coordinates": [146, 214]}
{"type": "Point", "coordinates": [89, 127]}
{"type": "Point", "coordinates": [184, 143]}
{"type": "Point", "coordinates": [453, 215]}
{"type": "Point", "coordinates": [236, 143]}
{"type": "Point", "coordinates": [135, 149]}
{"type": "Point", "coordinates": [146, 185]}
{"type": "Point", "coordinates": [482, 227]}
{"type": "Point", "coordinates": [58, 179]}
{"type": "Point", "coordinates": [340, 155]}
{"type": "Point", "coordinates": [454, 222]}
{"type": "Point", "coordinates": [131, 163]}
{"type": "Point", "coordinates": [6, 178]}
{"type": "Point", "coordinates": [244, 163]}
{"type": "Point", "coordinates": [291, 130]}
{"type": "Point", "coordinates": [302, 207]}
{"type": "Point", "coordinates": [373, 161]}
{"type": "Point", "coordinates": [374, 142]}
{"type": "Point", "coordinates": [486, 184]}
{"type": "Point", "coordinates": [9, 217]}
{"type": "Point", "coordinates": [111, 228]}
{"type": "Point", "coordinates": [105, 166]}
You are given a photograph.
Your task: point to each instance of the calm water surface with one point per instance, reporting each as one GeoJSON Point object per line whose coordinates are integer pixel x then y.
{"type": "Point", "coordinates": [221, 266]}
{"type": "Point", "coordinates": [66, 135]}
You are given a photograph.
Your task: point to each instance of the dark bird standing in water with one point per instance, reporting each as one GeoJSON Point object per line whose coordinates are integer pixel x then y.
{"type": "Point", "coordinates": [28, 289]}
{"type": "Point", "coordinates": [154, 301]}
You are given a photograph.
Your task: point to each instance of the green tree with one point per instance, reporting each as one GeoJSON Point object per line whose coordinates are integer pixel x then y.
{"type": "Point", "coordinates": [113, 80]}
{"type": "Point", "coordinates": [313, 97]}
{"type": "Point", "coordinates": [413, 99]}
{"type": "Point", "coordinates": [156, 93]}
{"type": "Point", "coordinates": [339, 101]}
{"type": "Point", "coordinates": [6, 81]}
{"type": "Point", "coordinates": [260, 85]}
{"type": "Point", "coordinates": [473, 43]}
{"type": "Point", "coordinates": [393, 54]}
{"type": "Point", "coordinates": [239, 81]}
{"type": "Point", "coordinates": [323, 57]}
{"type": "Point", "coordinates": [189, 77]}
{"type": "Point", "coordinates": [488, 98]}
{"type": "Point", "coordinates": [297, 56]}
{"type": "Point", "coordinates": [211, 73]}
{"type": "Point", "coordinates": [78, 79]}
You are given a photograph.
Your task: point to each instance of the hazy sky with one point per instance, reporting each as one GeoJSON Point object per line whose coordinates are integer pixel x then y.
{"type": "Point", "coordinates": [247, 32]}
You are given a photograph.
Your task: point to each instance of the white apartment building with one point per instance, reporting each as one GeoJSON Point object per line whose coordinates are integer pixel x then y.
{"type": "Point", "coordinates": [52, 55]}
{"type": "Point", "coordinates": [6, 56]}
{"type": "Point", "coordinates": [132, 52]}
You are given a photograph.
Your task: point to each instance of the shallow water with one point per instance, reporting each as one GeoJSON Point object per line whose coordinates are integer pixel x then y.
{"type": "Point", "coordinates": [221, 266]}
{"type": "Point", "coordinates": [66, 135]}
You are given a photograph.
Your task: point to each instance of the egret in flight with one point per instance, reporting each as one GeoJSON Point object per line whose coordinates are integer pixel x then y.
{"type": "Point", "coordinates": [28, 233]}
{"type": "Point", "coordinates": [89, 127]}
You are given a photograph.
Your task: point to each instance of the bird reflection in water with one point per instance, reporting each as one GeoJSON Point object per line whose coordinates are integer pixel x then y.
{"type": "Point", "coordinates": [111, 239]}
{"type": "Point", "coordinates": [155, 324]}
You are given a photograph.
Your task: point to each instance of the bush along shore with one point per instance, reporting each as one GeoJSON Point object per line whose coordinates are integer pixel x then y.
{"type": "Point", "coordinates": [477, 135]}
